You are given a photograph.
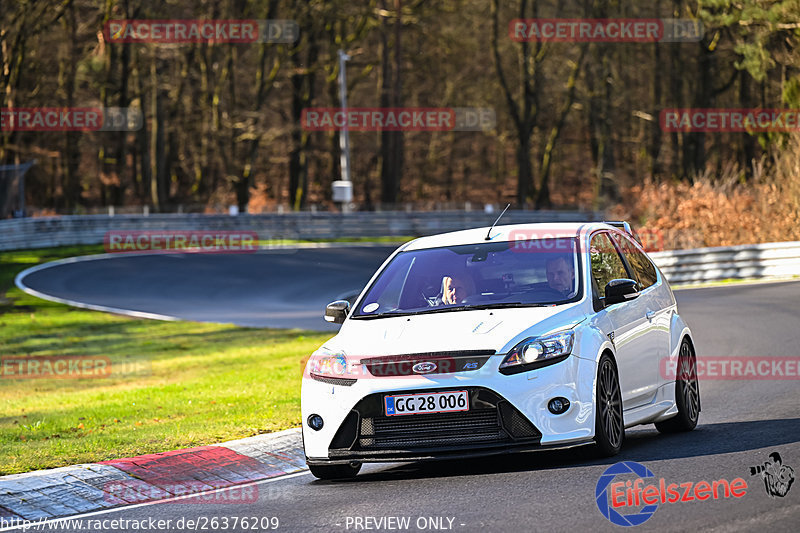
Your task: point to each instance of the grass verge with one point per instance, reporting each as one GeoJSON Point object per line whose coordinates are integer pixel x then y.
{"type": "Point", "coordinates": [172, 384]}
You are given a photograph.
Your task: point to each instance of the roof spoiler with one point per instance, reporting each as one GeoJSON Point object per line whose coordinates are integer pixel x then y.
{"type": "Point", "coordinates": [627, 228]}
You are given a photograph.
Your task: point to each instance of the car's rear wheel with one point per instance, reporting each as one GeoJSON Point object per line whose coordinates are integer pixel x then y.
{"type": "Point", "coordinates": [687, 394]}
{"type": "Point", "coordinates": [609, 429]}
{"type": "Point", "coordinates": [347, 471]}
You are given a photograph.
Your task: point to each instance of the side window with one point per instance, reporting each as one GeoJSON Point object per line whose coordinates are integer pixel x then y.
{"type": "Point", "coordinates": [641, 265]}
{"type": "Point", "coordinates": [606, 262]}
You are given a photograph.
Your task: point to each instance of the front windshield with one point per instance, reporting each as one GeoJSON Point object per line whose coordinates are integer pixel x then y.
{"type": "Point", "coordinates": [490, 275]}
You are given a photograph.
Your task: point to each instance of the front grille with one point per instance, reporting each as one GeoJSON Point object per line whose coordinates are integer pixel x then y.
{"type": "Point", "coordinates": [444, 362]}
{"type": "Point", "coordinates": [438, 429]}
{"type": "Point", "coordinates": [491, 420]}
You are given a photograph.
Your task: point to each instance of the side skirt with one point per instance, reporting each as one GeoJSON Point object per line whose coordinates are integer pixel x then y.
{"type": "Point", "coordinates": [661, 408]}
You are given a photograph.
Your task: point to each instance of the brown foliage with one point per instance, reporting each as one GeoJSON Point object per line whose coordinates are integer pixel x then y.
{"type": "Point", "coordinates": [722, 211]}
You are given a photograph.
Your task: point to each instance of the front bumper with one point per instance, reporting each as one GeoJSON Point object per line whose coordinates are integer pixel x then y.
{"type": "Point", "coordinates": [460, 452]}
{"type": "Point", "coordinates": [507, 413]}
{"type": "Point", "coordinates": [491, 422]}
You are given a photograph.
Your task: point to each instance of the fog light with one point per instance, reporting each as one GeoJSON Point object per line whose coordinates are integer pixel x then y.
{"type": "Point", "coordinates": [315, 422]}
{"type": "Point", "coordinates": [558, 405]}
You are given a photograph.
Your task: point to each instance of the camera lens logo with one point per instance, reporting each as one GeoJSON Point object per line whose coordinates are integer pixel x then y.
{"type": "Point", "coordinates": [603, 500]}
{"type": "Point", "coordinates": [778, 477]}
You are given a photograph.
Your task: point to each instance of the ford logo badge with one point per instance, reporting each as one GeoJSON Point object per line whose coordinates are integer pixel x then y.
{"type": "Point", "coordinates": [424, 368]}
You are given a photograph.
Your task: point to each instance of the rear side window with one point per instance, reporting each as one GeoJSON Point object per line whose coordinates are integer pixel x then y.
{"type": "Point", "coordinates": [641, 265]}
{"type": "Point", "coordinates": [606, 262]}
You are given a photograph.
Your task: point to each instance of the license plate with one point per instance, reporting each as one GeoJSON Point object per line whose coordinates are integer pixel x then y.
{"type": "Point", "coordinates": [420, 404]}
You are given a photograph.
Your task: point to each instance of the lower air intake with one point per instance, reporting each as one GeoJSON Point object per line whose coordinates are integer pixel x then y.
{"type": "Point", "coordinates": [490, 421]}
{"type": "Point", "coordinates": [420, 431]}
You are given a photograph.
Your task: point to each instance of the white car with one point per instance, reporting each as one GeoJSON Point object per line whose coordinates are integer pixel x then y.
{"type": "Point", "coordinates": [500, 339]}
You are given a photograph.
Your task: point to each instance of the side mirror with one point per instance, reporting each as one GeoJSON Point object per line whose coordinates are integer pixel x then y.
{"type": "Point", "coordinates": [337, 311]}
{"type": "Point", "coordinates": [621, 290]}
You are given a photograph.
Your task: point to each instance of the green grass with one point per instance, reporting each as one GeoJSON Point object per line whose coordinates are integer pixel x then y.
{"type": "Point", "coordinates": [172, 385]}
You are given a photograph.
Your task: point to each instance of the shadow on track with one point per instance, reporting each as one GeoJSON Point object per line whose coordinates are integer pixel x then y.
{"type": "Point", "coordinates": [640, 445]}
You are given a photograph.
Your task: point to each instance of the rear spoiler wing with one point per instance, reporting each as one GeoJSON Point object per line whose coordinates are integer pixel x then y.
{"type": "Point", "coordinates": [627, 228]}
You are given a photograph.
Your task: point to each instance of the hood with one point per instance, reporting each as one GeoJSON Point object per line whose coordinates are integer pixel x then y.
{"type": "Point", "coordinates": [484, 329]}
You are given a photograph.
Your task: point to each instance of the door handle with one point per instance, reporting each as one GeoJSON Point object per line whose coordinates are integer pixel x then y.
{"type": "Point", "coordinates": [650, 315]}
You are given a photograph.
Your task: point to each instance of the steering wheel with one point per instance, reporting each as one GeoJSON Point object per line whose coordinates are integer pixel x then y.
{"type": "Point", "coordinates": [549, 292]}
{"type": "Point", "coordinates": [430, 300]}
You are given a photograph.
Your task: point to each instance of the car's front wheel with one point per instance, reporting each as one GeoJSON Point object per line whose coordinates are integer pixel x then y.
{"type": "Point", "coordinates": [347, 471]}
{"type": "Point", "coordinates": [687, 394]}
{"type": "Point", "coordinates": [609, 429]}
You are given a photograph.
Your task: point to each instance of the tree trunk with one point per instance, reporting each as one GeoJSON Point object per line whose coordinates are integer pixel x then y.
{"type": "Point", "coordinates": [303, 89]}
{"type": "Point", "coordinates": [654, 148]}
{"type": "Point", "coordinates": [543, 198]}
{"type": "Point", "coordinates": [676, 62]}
{"type": "Point", "coordinates": [391, 149]}
{"type": "Point", "coordinates": [695, 147]}
{"type": "Point", "coordinates": [144, 176]}
{"type": "Point", "coordinates": [72, 186]}
{"type": "Point", "coordinates": [748, 140]}
{"type": "Point", "coordinates": [524, 165]}
{"type": "Point", "coordinates": [524, 114]}
{"type": "Point", "coordinates": [159, 185]}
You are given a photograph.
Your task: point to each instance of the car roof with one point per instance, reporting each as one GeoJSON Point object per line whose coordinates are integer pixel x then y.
{"type": "Point", "coordinates": [506, 233]}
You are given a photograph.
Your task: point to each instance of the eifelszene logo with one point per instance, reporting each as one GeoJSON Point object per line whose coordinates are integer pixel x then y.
{"type": "Point", "coordinates": [778, 477]}
{"type": "Point", "coordinates": [641, 500]}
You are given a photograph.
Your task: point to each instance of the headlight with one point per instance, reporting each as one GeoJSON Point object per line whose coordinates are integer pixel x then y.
{"type": "Point", "coordinates": [334, 364]}
{"type": "Point", "coordinates": [537, 352]}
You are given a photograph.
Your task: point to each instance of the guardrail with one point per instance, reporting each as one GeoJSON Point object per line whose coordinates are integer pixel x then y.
{"type": "Point", "coordinates": [27, 233]}
{"type": "Point", "coordinates": [769, 260]}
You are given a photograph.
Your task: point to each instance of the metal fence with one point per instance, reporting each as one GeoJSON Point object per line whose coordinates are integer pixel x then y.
{"type": "Point", "coordinates": [30, 233]}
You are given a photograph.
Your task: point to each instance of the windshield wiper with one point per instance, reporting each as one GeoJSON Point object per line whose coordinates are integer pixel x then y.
{"type": "Point", "coordinates": [386, 315]}
{"type": "Point", "coordinates": [498, 305]}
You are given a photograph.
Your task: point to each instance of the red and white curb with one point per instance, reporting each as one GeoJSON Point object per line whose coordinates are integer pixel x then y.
{"type": "Point", "coordinates": [193, 475]}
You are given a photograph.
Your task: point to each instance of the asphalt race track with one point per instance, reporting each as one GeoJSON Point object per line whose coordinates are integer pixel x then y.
{"type": "Point", "coordinates": [280, 288]}
{"type": "Point", "coordinates": [741, 423]}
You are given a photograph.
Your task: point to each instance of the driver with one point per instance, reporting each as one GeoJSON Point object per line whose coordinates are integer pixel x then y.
{"type": "Point", "coordinates": [560, 275]}
{"type": "Point", "coordinates": [454, 290]}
